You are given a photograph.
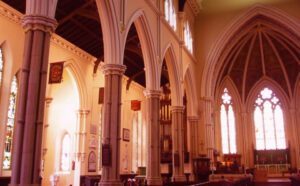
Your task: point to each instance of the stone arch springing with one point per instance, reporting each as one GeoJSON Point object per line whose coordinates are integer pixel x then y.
{"type": "Point", "coordinates": [110, 31]}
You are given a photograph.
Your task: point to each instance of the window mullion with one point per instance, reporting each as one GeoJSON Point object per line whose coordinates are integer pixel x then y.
{"type": "Point", "coordinates": [263, 124]}
{"type": "Point", "coordinates": [227, 123]}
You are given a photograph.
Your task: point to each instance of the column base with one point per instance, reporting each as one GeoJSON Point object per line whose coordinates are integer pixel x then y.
{"type": "Point", "coordinates": [110, 183]}
{"type": "Point", "coordinates": [178, 178]}
{"type": "Point", "coordinates": [154, 181]}
{"type": "Point", "coordinates": [192, 177]}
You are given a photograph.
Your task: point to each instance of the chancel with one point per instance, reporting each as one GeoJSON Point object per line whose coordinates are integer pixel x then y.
{"type": "Point", "coordinates": [149, 92]}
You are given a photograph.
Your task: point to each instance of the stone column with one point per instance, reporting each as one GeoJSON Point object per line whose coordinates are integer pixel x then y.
{"type": "Point", "coordinates": [111, 130]}
{"type": "Point", "coordinates": [193, 123]}
{"type": "Point", "coordinates": [45, 131]}
{"type": "Point", "coordinates": [177, 141]}
{"type": "Point", "coordinates": [294, 138]}
{"type": "Point", "coordinates": [209, 126]}
{"type": "Point", "coordinates": [80, 144]}
{"type": "Point", "coordinates": [153, 140]}
{"type": "Point", "coordinates": [30, 112]}
{"type": "Point", "coordinates": [245, 141]}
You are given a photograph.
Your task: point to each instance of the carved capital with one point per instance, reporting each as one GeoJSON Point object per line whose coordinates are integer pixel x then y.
{"type": "Point", "coordinates": [48, 100]}
{"type": "Point", "coordinates": [152, 93]}
{"type": "Point", "coordinates": [177, 109]}
{"type": "Point", "coordinates": [83, 112]}
{"type": "Point", "coordinates": [193, 119]}
{"type": "Point", "coordinates": [113, 69]}
{"type": "Point", "coordinates": [39, 22]}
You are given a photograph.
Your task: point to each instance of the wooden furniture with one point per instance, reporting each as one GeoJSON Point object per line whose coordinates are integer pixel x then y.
{"type": "Point", "coordinates": [295, 180]}
{"type": "Point", "coordinates": [4, 181]}
{"type": "Point", "coordinates": [273, 161]}
{"type": "Point", "coordinates": [201, 168]}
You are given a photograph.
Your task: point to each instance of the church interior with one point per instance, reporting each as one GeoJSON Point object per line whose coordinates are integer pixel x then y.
{"type": "Point", "coordinates": [149, 92]}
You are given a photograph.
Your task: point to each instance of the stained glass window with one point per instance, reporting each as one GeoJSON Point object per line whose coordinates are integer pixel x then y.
{"type": "Point", "coordinates": [228, 131]}
{"type": "Point", "coordinates": [170, 13]}
{"type": "Point", "coordinates": [268, 119]}
{"type": "Point", "coordinates": [10, 123]}
{"type": "Point", "coordinates": [65, 153]}
{"type": "Point", "coordinates": [188, 40]}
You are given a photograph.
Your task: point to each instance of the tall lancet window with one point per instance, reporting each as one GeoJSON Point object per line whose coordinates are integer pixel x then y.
{"type": "Point", "coordinates": [170, 13]}
{"type": "Point", "coordinates": [10, 123]}
{"type": "Point", "coordinates": [228, 130]}
{"type": "Point", "coordinates": [1, 66]}
{"type": "Point", "coordinates": [65, 153]}
{"type": "Point", "coordinates": [188, 40]}
{"type": "Point", "coordinates": [269, 123]}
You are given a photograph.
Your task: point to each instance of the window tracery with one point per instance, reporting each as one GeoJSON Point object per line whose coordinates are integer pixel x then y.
{"type": "Point", "coordinates": [269, 123]}
{"type": "Point", "coordinates": [228, 130]}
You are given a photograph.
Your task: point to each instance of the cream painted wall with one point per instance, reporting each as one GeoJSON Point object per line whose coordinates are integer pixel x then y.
{"type": "Point", "coordinates": [135, 92]}
{"type": "Point", "coordinates": [62, 118]}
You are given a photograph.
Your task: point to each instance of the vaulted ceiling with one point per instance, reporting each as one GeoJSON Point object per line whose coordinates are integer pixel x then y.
{"type": "Point", "coordinates": [262, 52]}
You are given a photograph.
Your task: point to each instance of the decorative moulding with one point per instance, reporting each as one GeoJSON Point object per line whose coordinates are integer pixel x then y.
{"type": "Point", "coordinates": [10, 13]}
{"type": "Point", "coordinates": [194, 6]}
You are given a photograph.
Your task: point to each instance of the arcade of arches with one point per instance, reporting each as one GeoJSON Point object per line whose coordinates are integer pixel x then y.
{"type": "Point", "coordinates": [92, 88]}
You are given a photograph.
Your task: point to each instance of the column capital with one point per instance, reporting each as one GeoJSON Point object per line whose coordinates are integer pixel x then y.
{"type": "Point", "coordinates": [206, 98]}
{"type": "Point", "coordinates": [39, 22]}
{"type": "Point", "coordinates": [110, 69]}
{"type": "Point", "coordinates": [193, 118]}
{"type": "Point", "coordinates": [181, 15]}
{"type": "Point", "coordinates": [48, 100]}
{"type": "Point", "coordinates": [83, 112]}
{"type": "Point", "coordinates": [175, 109]}
{"type": "Point", "coordinates": [152, 93]}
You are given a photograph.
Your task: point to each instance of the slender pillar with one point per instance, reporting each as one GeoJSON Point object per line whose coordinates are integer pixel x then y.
{"type": "Point", "coordinates": [80, 144]}
{"type": "Point", "coordinates": [209, 127]}
{"type": "Point", "coordinates": [45, 132]}
{"type": "Point", "coordinates": [193, 123]}
{"type": "Point", "coordinates": [112, 124]}
{"type": "Point", "coordinates": [245, 141]}
{"type": "Point", "coordinates": [30, 112]}
{"type": "Point", "coordinates": [153, 130]}
{"type": "Point", "coordinates": [177, 139]}
{"type": "Point", "coordinates": [294, 138]}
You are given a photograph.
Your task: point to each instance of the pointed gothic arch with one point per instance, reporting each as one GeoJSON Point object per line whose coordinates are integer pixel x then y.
{"type": "Point", "coordinates": [174, 75]}
{"type": "Point", "coordinates": [145, 36]}
{"type": "Point", "coordinates": [188, 82]}
{"type": "Point", "coordinates": [80, 84]}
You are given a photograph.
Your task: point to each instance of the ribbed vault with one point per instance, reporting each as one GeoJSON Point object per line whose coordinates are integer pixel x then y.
{"type": "Point", "coordinates": [262, 51]}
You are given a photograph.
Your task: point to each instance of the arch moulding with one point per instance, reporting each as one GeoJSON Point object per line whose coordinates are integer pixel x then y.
{"type": "Point", "coordinates": [149, 56]}
{"type": "Point", "coordinates": [174, 75]}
